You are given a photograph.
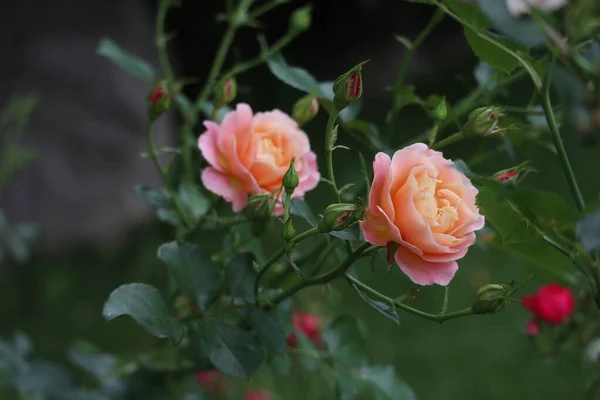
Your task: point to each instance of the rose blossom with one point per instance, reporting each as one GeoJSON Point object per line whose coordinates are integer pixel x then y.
{"type": "Point", "coordinates": [551, 303]}
{"type": "Point", "coordinates": [419, 201]}
{"type": "Point", "coordinates": [308, 324]}
{"type": "Point", "coordinates": [518, 8]}
{"type": "Point", "coordinates": [249, 154]}
{"type": "Point", "coordinates": [211, 381]}
{"type": "Point", "coordinates": [532, 328]}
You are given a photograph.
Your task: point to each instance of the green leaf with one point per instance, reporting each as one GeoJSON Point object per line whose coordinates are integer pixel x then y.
{"type": "Point", "coordinates": [198, 278]}
{"type": "Point", "coordinates": [353, 233]}
{"type": "Point", "coordinates": [127, 62]}
{"type": "Point", "coordinates": [510, 224]}
{"type": "Point", "coordinates": [345, 341]}
{"type": "Point", "coordinates": [546, 209]}
{"type": "Point", "coordinates": [387, 310]}
{"type": "Point", "coordinates": [345, 386]}
{"type": "Point", "coordinates": [588, 232]}
{"type": "Point", "coordinates": [151, 196]}
{"type": "Point", "coordinates": [301, 209]}
{"type": "Point", "coordinates": [490, 53]}
{"type": "Point", "coordinates": [100, 365]}
{"type": "Point", "coordinates": [241, 275]}
{"type": "Point", "coordinates": [233, 351]}
{"type": "Point", "coordinates": [146, 306]}
{"type": "Point", "coordinates": [270, 331]}
{"type": "Point", "coordinates": [43, 379]}
{"type": "Point", "coordinates": [404, 41]}
{"type": "Point", "coordinates": [207, 109]}
{"type": "Point", "coordinates": [295, 77]}
{"type": "Point", "coordinates": [547, 261]}
{"type": "Point", "coordinates": [385, 384]}
{"type": "Point", "coordinates": [193, 201]}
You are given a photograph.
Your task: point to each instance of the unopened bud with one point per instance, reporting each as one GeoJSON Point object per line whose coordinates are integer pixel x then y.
{"type": "Point", "coordinates": [291, 179]}
{"type": "Point", "coordinates": [159, 100]}
{"type": "Point", "coordinates": [288, 232]}
{"type": "Point", "coordinates": [348, 87]}
{"type": "Point", "coordinates": [506, 175]}
{"type": "Point", "coordinates": [301, 20]}
{"type": "Point", "coordinates": [440, 111]}
{"type": "Point", "coordinates": [482, 121]}
{"type": "Point", "coordinates": [338, 217]}
{"type": "Point", "coordinates": [259, 208]}
{"type": "Point", "coordinates": [305, 109]}
{"type": "Point", "coordinates": [490, 299]}
{"type": "Point", "coordinates": [225, 91]}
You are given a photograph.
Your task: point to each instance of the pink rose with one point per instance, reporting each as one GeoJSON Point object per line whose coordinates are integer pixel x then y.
{"type": "Point", "coordinates": [308, 324]}
{"type": "Point", "coordinates": [551, 303]}
{"type": "Point", "coordinates": [249, 154]}
{"type": "Point", "coordinates": [419, 201]}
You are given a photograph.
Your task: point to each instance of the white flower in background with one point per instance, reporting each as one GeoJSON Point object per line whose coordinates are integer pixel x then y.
{"type": "Point", "coordinates": [518, 8]}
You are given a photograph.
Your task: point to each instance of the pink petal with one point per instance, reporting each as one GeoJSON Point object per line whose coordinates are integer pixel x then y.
{"type": "Point", "coordinates": [225, 186]}
{"type": "Point", "coordinates": [424, 272]}
{"type": "Point", "coordinates": [207, 143]}
{"type": "Point", "coordinates": [380, 189]}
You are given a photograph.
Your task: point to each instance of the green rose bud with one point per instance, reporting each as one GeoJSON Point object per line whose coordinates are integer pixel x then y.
{"type": "Point", "coordinates": [490, 299]}
{"type": "Point", "coordinates": [348, 87]}
{"type": "Point", "coordinates": [301, 20]}
{"type": "Point", "coordinates": [259, 208]}
{"type": "Point", "coordinates": [338, 217]}
{"type": "Point", "coordinates": [482, 122]}
{"type": "Point", "coordinates": [305, 109]}
{"type": "Point", "coordinates": [159, 100]}
{"type": "Point", "coordinates": [288, 232]}
{"type": "Point", "coordinates": [440, 111]}
{"type": "Point", "coordinates": [225, 91]}
{"type": "Point", "coordinates": [291, 179]}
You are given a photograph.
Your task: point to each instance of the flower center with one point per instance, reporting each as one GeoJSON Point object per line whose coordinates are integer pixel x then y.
{"type": "Point", "coordinates": [436, 204]}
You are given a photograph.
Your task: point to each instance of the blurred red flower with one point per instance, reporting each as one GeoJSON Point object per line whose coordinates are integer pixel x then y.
{"type": "Point", "coordinates": [308, 324]}
{"type": "Point", "coordinates": [551, 303]}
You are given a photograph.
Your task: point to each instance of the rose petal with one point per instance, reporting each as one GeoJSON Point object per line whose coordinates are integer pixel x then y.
{"type": "Point", "coordinates": [424, 272]}
{"type": "Point", "coordinates": [225, 186]}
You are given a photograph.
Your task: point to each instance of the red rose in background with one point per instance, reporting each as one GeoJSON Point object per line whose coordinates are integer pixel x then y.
{"type": "Point", "coordinates": [258, 394]}
{"type": "Point", "coordinates": [308, 324]}
{"type": "Point", "coordinates": [551, 303]}
{"type": "Point", "coordinates": [532, 328]}
{"type": "Point", "coordinates": [211, 381]}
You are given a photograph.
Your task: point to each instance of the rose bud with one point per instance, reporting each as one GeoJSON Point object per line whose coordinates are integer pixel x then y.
{"type": "Point", "coordinates": [159, 100]}
{"type": "Point", "coordinates": [348, 87]}
{"type": "Point", "coordinates": [301, 20]}
{"type": "Point", "coordinates": [490, 299]}
{"type": "Point", "coordinates": [482, 122]}
{"type": "Point", "coordinates": [288, 232]}
{"type": "Point", "coordinates": [260, 207]}
{"type": "Point", "coordinates": [506, 175]}
{"type": "Point", "coordinates": [211, 381]}
{"type": "Point", "coordinates": [257, 394]}
{"type": "Point", "coordinates": [225, 91]}
{"type": "Point", "coordinates": [305, 109]}
{"type": "Point", "coordinates": [551, 303]}
{"type": "Point", "coordinates": [439, 112]}
{"type": "Point", "coordinates": [308, 324]}
{"type": "Point", "coordinates": [532, 328]}
{"type": "Point", "coordinates": [290, 179]}
{"type": "Point", "coordinates": [338, 217]}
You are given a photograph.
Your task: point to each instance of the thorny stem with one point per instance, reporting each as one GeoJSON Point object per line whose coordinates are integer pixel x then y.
{"type": "Point", "coordinates": [447, 141]}
{"type": "Point", "coordinates": [278, 255]}
{"type": "Point", "coordinates": [560, 148]}
{"type": "Point", "coordinates": [388, 300]}
{"type": "Point", "coordinates": [329, 143]}
{"type": "Point", "coordinates": [161, 41]}
{"type": "Point", "coordinates": [363, 250]}
{"type": "Point", "coordinates": [162, 171]}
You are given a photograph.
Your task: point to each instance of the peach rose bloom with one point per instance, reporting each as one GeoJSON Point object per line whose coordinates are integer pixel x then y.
{"type": "Point", "coordinates": [421, 202]}
{"type": "Point", "coordinates": [249, 154]}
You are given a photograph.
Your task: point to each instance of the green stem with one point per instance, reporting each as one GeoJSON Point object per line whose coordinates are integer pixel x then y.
{"type": "Point", "coordinates": [245, 66]}
{"type": "Point", "coordinates": [262, 10]}
{"type": "Point", "coordinates": [414, 311]}
{"type": "Point", "coordinates": [448, 140]}
{"type": "Point", "coordinates": [446, 299]}
{"type": "Point", "coordinates": [362, 250]}
{"type": "Point", "coordinates": [278, 255]}
{"type": "Point", "coordinates": [560, 148]}
{"type": "Point", "coordinates": [329, 143]}
{"type": "Point", "coordinates": [238, 16]}
{"type": "Point", "coordinates": [161, 41]}
{"type": "Point", "coordinates": [162, 171]}
{"type": "Point", "coordinates": [186, 155]}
